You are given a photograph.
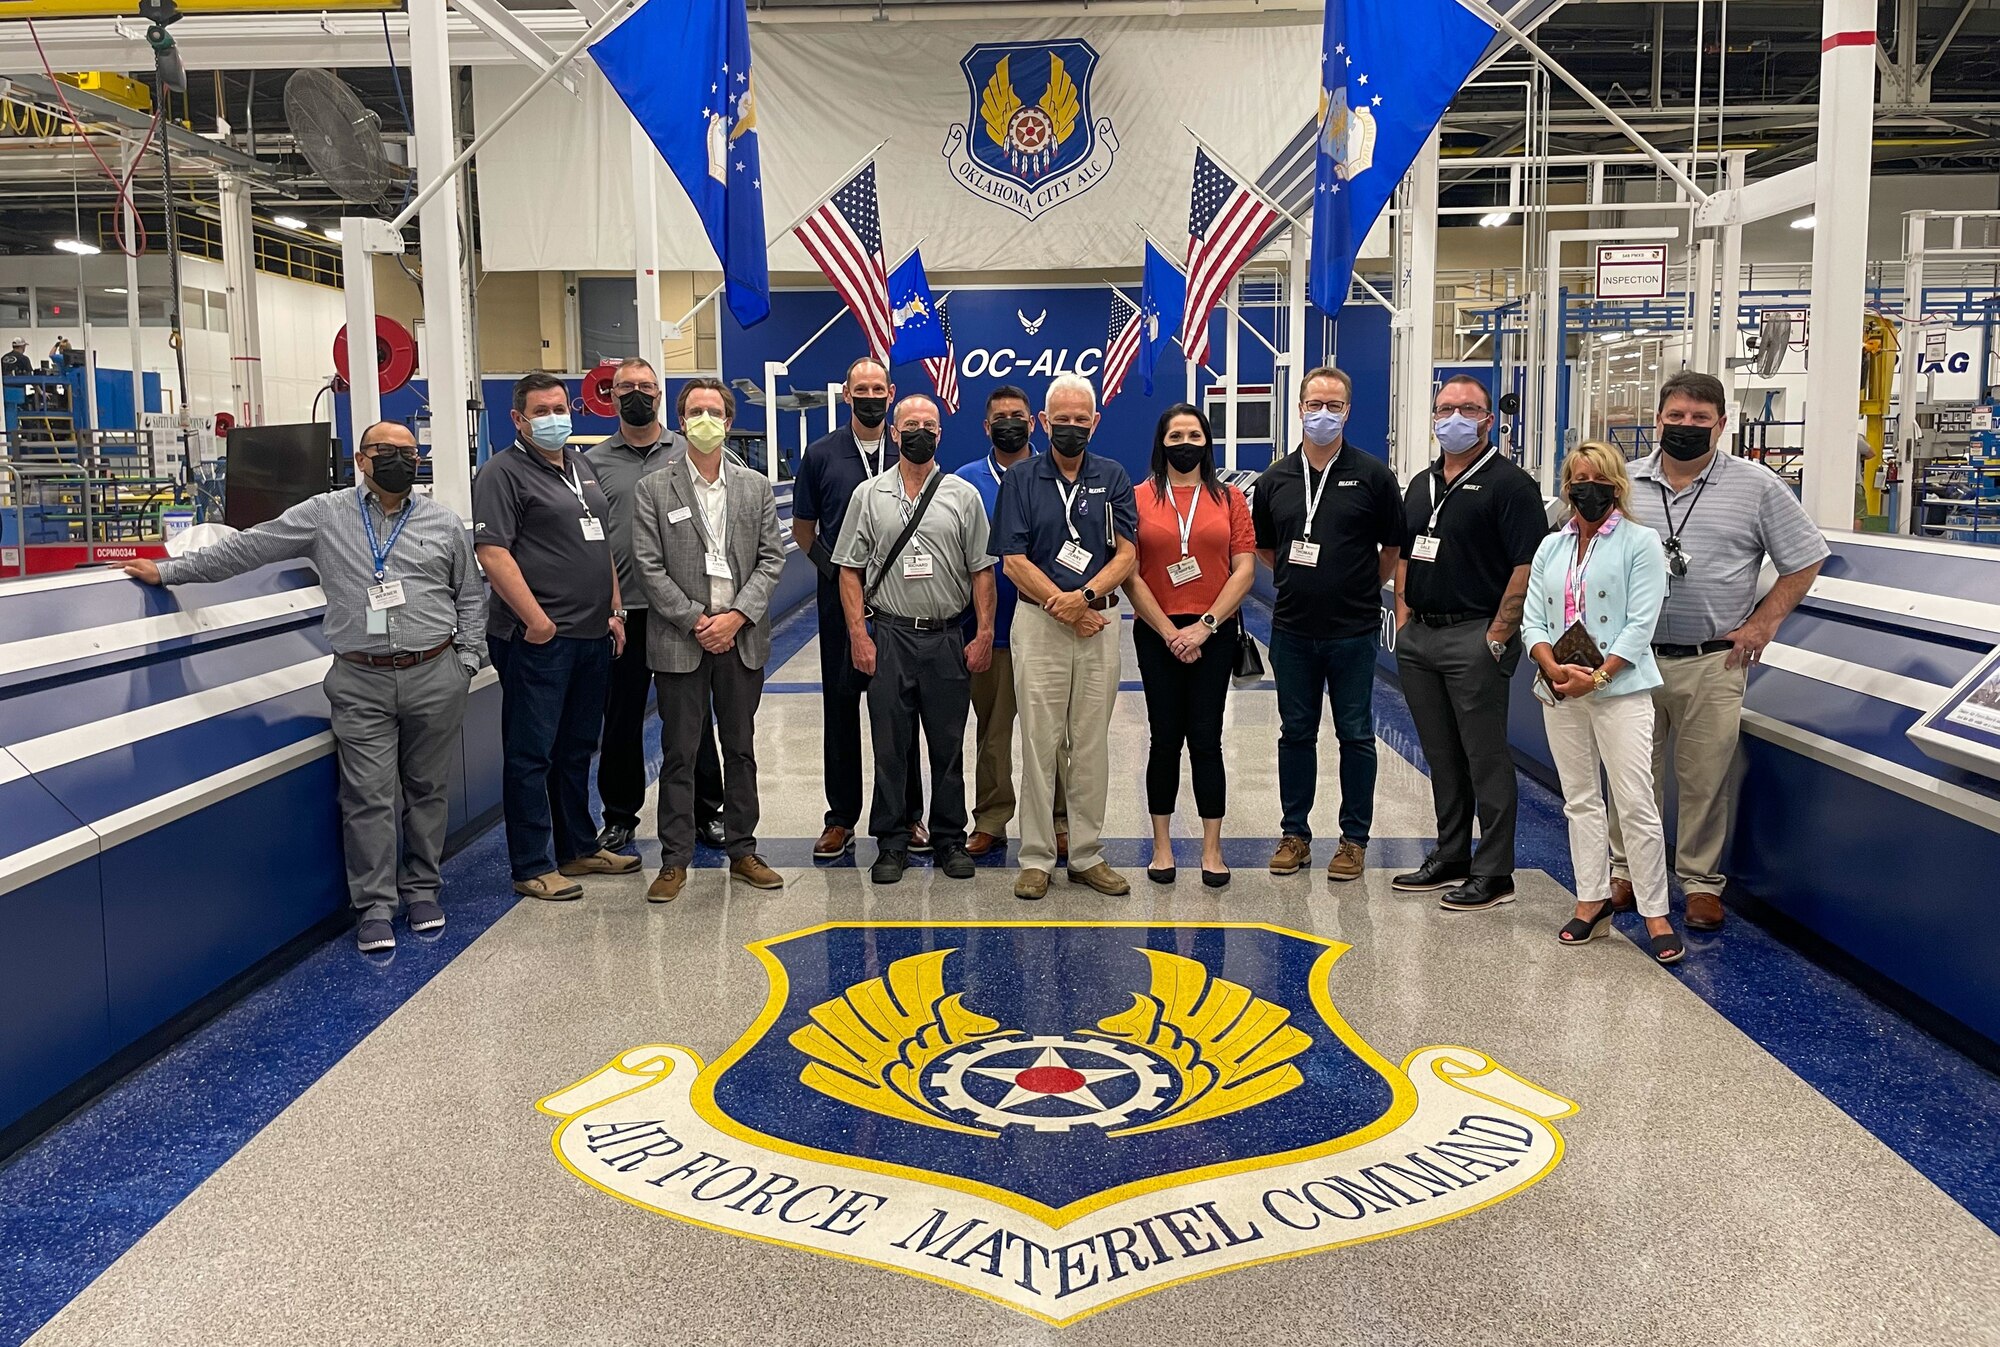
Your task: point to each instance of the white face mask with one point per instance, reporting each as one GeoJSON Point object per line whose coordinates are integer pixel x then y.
{"type": "Point", "coordinates": [706, 431]}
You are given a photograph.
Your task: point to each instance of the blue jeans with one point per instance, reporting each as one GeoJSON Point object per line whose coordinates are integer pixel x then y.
{"type": "Point", "coordinates": [1345, 670]}
{"type": "Point", "coordinates": [551, 712]}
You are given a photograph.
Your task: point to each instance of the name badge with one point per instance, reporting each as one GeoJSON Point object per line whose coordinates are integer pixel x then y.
{"type": "Point", "coordinates": [1074, 558]}
{"type": "Point", "coordinates": [717, 565]}
{"type": "Point", "coordinates": [680, 516]}
{"type": "Point", "coordinates": [1425, 548]}
{"type": "Point", "coordinates": [593, 528]}
{"type": "Point", "coordinates": [1184, 571]}
{"type": "Point", "coordinates": [1303, 553]}
{"type": "Point", "coordinates": [917, 566]}
{"type": "Point", "coordinates": [388, 594]}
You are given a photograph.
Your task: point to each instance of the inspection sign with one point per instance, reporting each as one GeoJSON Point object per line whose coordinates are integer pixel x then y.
{"type": "Point", "coordinates": [1631, 271]}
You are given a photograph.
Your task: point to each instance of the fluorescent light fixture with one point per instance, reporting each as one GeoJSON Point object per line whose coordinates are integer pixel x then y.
{"type": "Point", "coordinates": [1493, 219]}
{"type": "Point", "coordinates": [77, 246]}
{"type": "Point", "coordinates": [288, 222]}
{"type": "Point", "coordinates": [1805, 222]}
{"type": "Point", "coordinates": [116, 290]}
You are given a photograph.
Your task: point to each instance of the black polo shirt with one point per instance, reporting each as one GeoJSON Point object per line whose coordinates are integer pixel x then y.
{"type": "Point", "coordinates": [1029, 514]}
{"type": "Point", "coordinates": [829, 472]}
{"type": "Point", "coordinates": [1490, 521]}
{"type": "Point", "coordinates": [522, 503]}
{"type": "Point", "coordinates": [1360, 512]}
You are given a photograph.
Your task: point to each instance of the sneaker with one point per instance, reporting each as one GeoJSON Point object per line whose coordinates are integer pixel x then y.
{"type": "Point", "coordinates": [551, 887]}
{"type": "Point", "coordinates": [1102, 878]}
{"type": "Point", "coordinates": [667, 885]}
{"type": "Point", "coordinates": [1434, 873]}
{"type": "Point", "coordinates": [372, 937]}
{"type": "Point", "coordinates": [920, 840]}
{"type": "Point", "coordinates": [1348, 862]}
{"type": "Point", "coordinates": [956, 862]}
{"type": "Point", "coordinates": [888, 867]}
{"type": "Point", "coordinates": [600, 863]}
{"type": "Point", "coordinates": [426, 915]}
{"type": "Point", "coordinates": [1293, 854]}
{"type": "Point", "coordinates": [1032, 884]}
{"type": "Point", "coordinates": [834, 843]}
{"type": "Point", "coordinates": [1481, 891]}
{"type": "Point", "coordinates": [753, 871]}
{"type": "Point", "coordinates": [615, 837]}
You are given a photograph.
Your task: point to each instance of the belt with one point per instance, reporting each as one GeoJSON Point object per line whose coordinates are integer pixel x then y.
{"type": "Point", "coordinates": [920, 623]}
{"type": "Point", "coordinates": [1447, 619]}
{"type": "Point", "coordinates": [1690, 651]}
{"type": "Point", "coordinates": [402, 659]}
{"type": "Point", "coordinates": [1102, 602]}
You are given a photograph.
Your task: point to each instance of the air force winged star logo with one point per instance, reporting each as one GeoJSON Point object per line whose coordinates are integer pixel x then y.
{"type": "Point", "coordinates": [1030, 156]}
{"type": "Point", "coordinates": [1056, 1116]}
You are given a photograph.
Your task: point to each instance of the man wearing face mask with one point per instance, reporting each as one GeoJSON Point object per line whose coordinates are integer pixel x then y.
{"type": "Point", "coordinates": [832, 468]}
{"type": "Point", "coordinates": [641, 445]}
{"type": "Point", "coordinates": [1473, 522]}
{"type": "Point", "coordinates": [555, 623]}
{"type": "Point", "coordinates": [1066, 528]}
{"type": "Point", "coordinates": [404, 616]}
{"type": "Point", "coordinates": [1008, 421]}
{"type": "Point", "coordinates": [913, 557]}
{"type": "Point", "coordinates": [1329, 521]}
{"type": "Point", "coordinates": [1720, 516]}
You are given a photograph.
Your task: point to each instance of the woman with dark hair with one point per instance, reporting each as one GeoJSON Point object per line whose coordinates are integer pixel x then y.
{"type": "Point", "coordinates": [1197, 558]}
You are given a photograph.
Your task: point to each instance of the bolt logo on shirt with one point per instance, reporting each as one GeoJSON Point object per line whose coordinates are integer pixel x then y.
{"type": "Point", "coordinates": [1056, 1116]}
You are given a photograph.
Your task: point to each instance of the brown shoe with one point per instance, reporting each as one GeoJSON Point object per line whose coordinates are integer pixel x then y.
{"type": "Point", "coordinates": [667, 886]}
{"type": "Point", "coordinates": [1348, 862]}
{"type": "Point", "coordinates": [551, 887]}
{"type": "Point", "coordinates": [1292, 853]}
{"type": "Point", "coordinates": [1062, 846]}
{"type": "Point", "coordinates": [752, 871]}
{"type": "Point", "coordinates": [980, 844]}
{"type": "Point", "coordinates": [920, 840]}
{"type": "Point", "coordinates": [600, 863]}
{"type": "Point", "coordinates": [1704, 912]}
{"type": "Point", "coordinates": [1622, 897]}
{"type": "Point", "coordinates": [1032, 884]}
{"type": "Point", "coordinates": [1100, 877]}
{"type": "Point", "coordinates": [833, 843]}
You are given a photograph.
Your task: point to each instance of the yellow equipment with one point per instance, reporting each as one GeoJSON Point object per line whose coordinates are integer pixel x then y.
{"type": "Point", "coordinates": [125, 9]}
{"type": "Point", "coordinates": [117, 88]}
{"type": "Point", "coordinates": [1878, 386]}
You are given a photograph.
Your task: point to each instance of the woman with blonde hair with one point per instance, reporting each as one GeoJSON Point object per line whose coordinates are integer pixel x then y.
{"type": "Point", "coordinates": [1594, 596]}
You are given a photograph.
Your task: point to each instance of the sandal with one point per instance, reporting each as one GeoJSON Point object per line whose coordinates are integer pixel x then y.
{"type": "Point", "coordinates": [1577, 931]}
{"type": "Point", "coordinates": [1667, 948]}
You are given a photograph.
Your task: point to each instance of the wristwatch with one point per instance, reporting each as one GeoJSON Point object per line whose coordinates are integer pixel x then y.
{"type": "Point", "coordinates": [1208, 620]}
{"type": "Point", "coordinates": [1089, 594]}
{"type": "Point", "coordinates": [1600, 678]}
{"type": "Point", "coordinates": [618, 613]}
{"type": "Point", "coordinates": [1499, 648]}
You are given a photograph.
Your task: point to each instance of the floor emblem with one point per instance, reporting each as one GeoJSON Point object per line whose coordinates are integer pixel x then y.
{"type": "Point", "coordinates": [1057, 1116]}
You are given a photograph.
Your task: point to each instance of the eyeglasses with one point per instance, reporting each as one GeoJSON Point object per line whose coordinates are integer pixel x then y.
{"type": "Point", "coordinates": [650, 390]}
{"type": "Point", "coordinates": [1317, 406]}
{"type": "Point", "coordinates": [1470, 409]}
{"type": "Point", "coordinates": [931, 426]}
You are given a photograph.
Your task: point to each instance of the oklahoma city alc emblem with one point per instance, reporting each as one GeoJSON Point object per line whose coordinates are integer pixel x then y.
{"type": "Point", "coordinates": [1057, 1116]}
{"type": "Point", "coordinates": [1030, 142]}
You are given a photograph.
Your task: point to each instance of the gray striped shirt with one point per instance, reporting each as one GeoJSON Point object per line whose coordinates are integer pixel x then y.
{"type": "Point", "coordinates": [1741, 514]}
{"type": "Point", "coordinates": [444, 595]}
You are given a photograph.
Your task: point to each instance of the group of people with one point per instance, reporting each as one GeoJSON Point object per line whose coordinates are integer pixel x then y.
{"type": "Point", "coordinates": [649, 563]}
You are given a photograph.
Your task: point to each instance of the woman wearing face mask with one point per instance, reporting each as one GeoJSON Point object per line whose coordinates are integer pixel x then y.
{"type": "Point", "coordinates": [1197, 558]}
{"type": "Point", "coordinates": [1595, 590]}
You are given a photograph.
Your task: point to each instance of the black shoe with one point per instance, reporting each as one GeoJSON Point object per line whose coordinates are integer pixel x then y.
{"type": "Point", "coordinates": [1164, 875]}
{"type": "Point", "coordinates": [425, 915]}
{"type": "Point", "coordinates": [615, 837]}
{"type": "Point", "coordinates": [1479, 891]}
{"type": "Point", "coordinates": [1215, 879]}
{"type": "Point", "coordinates": [889, 867]}
{"type": "Point", "coordinates": [710, 834]}
{"type": "Point", "coordinates": [1432, 874]}
{"type": "Point", "coordinates": [374, 936]}
{"type": "Point", "coordinates": [956, 862]}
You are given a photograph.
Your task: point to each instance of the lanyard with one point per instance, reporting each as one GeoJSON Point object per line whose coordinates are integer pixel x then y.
{"type": "Point", "coordinates": [715, 516]}
{"type": "Point", "coordinates": [994, 464]}
{"type": "Point", "coordinates": [1573, 586]}
{"type": "Point", "coordinates": [381, 554]}
{"type": "Point", "coordinates": [1069, 506]}
{"type": "Point", "coordinates": [1313, 498]}
{"type": "Point", "coordinates": [568, 475]}
{"type": "Point", "coordinates": [908, 503]}
{"type": "Point", "coordinates": [1187, 521]}
{"type": "Point", "coordinates": [1666, 508]}
{"type": "Point", "coordinates": [881, 456]}
{"type": "Point", "coordinates": [1437, 503]}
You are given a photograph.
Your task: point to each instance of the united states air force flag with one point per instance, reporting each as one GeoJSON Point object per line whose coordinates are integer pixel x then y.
{"type": "Point", "coordinates": [1162, 303]}
{"type": "Point", "coordinates": [683, 69]}
{"type": "Point", "coordinates": [919, 334]}
{"type": "Point", "coordinates": [1389, 68]}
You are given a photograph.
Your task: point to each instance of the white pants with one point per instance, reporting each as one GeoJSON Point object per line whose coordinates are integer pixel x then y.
{"type": "Point", "coordinates": [1617, 733]}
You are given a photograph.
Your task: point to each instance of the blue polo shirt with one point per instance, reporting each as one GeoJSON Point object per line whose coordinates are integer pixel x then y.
{"type": "Point", "coordinates": [829, 473]}
{"type": "Point", "coordinates": [986, 475]}
{"type": "Point", "coordinates": [1028, 518]}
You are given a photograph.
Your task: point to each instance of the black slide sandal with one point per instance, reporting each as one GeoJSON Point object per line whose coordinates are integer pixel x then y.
{"type": "Point", "coordinates": [1577, 931]}
{"type": "Point", "coordinates": [1667, 948]}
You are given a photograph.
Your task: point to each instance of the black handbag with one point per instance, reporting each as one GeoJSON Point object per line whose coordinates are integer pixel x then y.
{"type": "Point", "coordinates": [1249, 660]}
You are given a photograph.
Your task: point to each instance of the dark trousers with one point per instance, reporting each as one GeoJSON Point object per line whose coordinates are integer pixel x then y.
{"type": "Point", "coordinates": [920, 678]}
{"type": "Point", "coordinates": [621, 757]}
{"type": "Point", "coordinates": [685, 698]}
{"type": "Point", "coordinates": [841, 688]}
{"type": "Point", "coordinates": [1457, 694]}
{"type": "Point", "coordinates": [1184, 704]}
{"type": "Point", "coordinates": [1342, 669]}
{"type": "Point", "coordinates": [551, 709]}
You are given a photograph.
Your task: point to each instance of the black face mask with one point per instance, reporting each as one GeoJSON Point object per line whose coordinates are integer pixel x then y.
{"type": "Point", "coordinates": [1186, 457]}
{"type": "Point", "coordinates": [1593, 500]}
{"type": "Point", "coordinates": [1685, 443]}
{"type": "Point", "coordinates": [394, 473]}
{"type": "Point", "coordinates": [918, 446]}
{"type": "Point", "coordinates": [1009, 434]}
{"type": "Point", "coordinates": [1069, 441]}
{"type": "Point", "coordinates": [637, 409]}
{"type": "Point", "coordinates": [870, 412]}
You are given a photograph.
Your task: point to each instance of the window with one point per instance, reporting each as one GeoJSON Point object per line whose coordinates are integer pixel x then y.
{"type": "Point", "coordinates": [608, 312]}
{"type": "Point", "coordinates": [14, 306]}
{"type": "Point", "coordinates": [105, 304]}
{"type": "Point", "coordinates": [55, 306]}
{"type": "Point", "coordinates": [154, 301]}
{"type": "Point", "coordinates": [218, 311]}
{"type": "Point", "coordinates": [194, 309]}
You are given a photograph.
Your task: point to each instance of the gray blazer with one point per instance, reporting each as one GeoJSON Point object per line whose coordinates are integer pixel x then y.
{"type": "Point", "coordinates": [669, 557]}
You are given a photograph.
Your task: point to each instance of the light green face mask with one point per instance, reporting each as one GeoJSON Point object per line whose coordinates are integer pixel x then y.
{"type": "Point", "coordinates": [706, 431]}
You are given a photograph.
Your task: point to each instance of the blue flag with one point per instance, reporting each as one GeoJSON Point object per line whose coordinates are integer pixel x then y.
{"type": "Point", "coordinates": [1161, 303]}
{"type": "Point", "coordinates": [1378, 104]}
{"type": "Point", "coordinates": [683, 68]}
{"type": "Point", "coordinates": [919, 333]}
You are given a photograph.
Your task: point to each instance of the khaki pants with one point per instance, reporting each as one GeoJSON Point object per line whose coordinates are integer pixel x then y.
{"type": "Point", "coordinates": [1066, 687]}
{"type": "Point", "coordinates": [1701, 705]}
{"type": "Point", "coordinates": [993, 769]}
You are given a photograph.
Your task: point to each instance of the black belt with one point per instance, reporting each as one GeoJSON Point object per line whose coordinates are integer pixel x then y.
{"type": "Point", "coordinates": [1448, 619]}
{"type": "Point", "coordinates": [402, 659]}
{"type": "Point", "coordinates": [1691, 651]}
{"type": "Point", "coordinates": [920, 623]}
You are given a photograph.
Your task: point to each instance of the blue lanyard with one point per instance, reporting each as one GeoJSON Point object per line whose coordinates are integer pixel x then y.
{"type": "Point", "coordinates": [381, 554]}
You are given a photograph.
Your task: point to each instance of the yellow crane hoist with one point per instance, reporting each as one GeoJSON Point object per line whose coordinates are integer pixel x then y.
{"type": "Point", "coordinates": [1878, 386]}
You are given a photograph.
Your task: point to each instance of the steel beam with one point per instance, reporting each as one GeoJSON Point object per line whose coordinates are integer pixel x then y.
{"type": "Point", "coordinates": [239, 268]}
{"type": "Point", "coordinates": [1416, 318]}
{"type": "Point", "coordinates": [444, 353]}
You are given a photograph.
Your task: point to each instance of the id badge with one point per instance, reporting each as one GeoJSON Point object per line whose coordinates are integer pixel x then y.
{"type": "Point", "coordinates": [378, 621]}
{"type": "Point", "coordinates": [917, 566]}
{"type": "Point", "coordinates": [388, 594]}
{"type": "Point", "coordinates": [1304, 553]}
{"type": "Point", "coordinates": [1074, 558]}
{"type": "Point", "coordinates": [1425, 548]}
{"type": "Point", "coordinates": [593, 528]}
{"type": "Point", "coordinates": [1184, 571]}
{"type": "Point", "coordinates": [717, 565]}
{"type": "Point", "coordinates": [680, 516]}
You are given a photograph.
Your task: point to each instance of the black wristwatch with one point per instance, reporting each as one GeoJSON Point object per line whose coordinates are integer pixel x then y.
{"type": "Point", "coordinates": [1089, 594]}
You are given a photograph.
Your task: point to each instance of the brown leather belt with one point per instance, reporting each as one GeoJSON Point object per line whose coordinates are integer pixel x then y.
{"type": "Point", "coordinates": [1102, 603]}
{"type": "Point", "coordinates": [402, 659]}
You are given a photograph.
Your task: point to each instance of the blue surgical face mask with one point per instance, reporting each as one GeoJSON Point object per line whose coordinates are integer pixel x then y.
{"type": "Point", "coordinates": [1457, 433]}
{"type": "Point", "coordinates": [1324, 427]}
{"type": "Point", "coordinates": [550, 432]}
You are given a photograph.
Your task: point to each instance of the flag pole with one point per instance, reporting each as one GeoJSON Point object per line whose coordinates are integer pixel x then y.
{"type": "Point", "coordinates": [1112, 286]}
{"type": "Point", "coordinates": [1240, 176]}
{"type": "Point", "coordinates": [837, 184]}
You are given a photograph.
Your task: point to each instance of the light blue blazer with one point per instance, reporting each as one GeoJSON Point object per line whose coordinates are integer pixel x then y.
{"type": "Point", "coordinates": [1623, 590]}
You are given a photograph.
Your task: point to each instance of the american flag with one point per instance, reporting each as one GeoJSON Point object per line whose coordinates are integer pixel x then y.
{"type": "Point", "coordinates": [1226, 221]}
{"type": "Point", "coordinates": [845, 237]}
{"type": "Point", "coordinates": [1121, 343]}
{"type": "Point", "coordinates": [944, 369]}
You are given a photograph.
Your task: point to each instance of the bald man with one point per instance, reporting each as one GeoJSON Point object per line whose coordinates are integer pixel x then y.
{"type": "Point", "coordinates": [406, 618]}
